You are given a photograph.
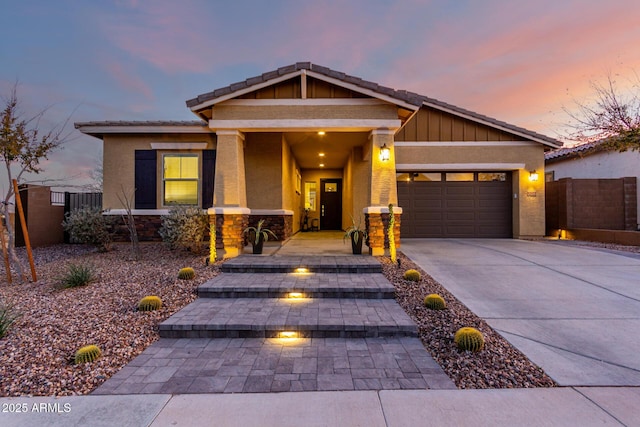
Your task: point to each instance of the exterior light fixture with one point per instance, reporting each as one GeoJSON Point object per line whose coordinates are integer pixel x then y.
{"type": "Point", "coordinates": [295, 295]}
{"type": "Point", "coordinates": [321, 133]}
{"type": "Point", "coordinates": [533, 176]}
{"type": "Point", "coordinates": [385, 153]}
{"type": "Point", "coordinates": [288, 334]}
{"type": "Point", "coordinates": [321, 165]}
{"type": "Point", "coordinates": [301, 270]}
{"type": "Point", "coordinates": [321, 154]}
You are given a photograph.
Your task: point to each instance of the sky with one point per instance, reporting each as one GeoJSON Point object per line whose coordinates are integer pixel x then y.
{"type": "Point", "coordinates": [519, 61]}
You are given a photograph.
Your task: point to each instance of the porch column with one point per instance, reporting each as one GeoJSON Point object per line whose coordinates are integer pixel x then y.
{"type": "Point", "coordinates": [383, 191]}
{"type": "Point", "coordinates": [230, 192]}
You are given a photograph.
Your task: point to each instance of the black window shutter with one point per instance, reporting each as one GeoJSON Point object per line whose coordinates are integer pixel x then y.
{"type": "Point", "coordinates": [208, 174]}
{"type": "Point", "coordinates": [146, 181]}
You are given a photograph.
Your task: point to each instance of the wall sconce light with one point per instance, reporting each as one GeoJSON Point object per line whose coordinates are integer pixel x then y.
{"type": "Point", "coordinates": [385, 153]}
{"type": "Point", "coordinates": [533, 176]}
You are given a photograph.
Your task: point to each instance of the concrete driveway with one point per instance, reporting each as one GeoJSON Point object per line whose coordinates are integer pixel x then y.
{"type": "Point", "coordinates": [574, 311]}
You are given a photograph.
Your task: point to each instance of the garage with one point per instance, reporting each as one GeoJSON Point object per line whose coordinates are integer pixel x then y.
{"type": "Point", "coordinates": [455, 204]}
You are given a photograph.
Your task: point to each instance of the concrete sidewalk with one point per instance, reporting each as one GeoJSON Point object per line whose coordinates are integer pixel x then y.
{"type": "Point", "coordinates": [574, 311]}
{"type": "Point", "coordinates": [522, 407]}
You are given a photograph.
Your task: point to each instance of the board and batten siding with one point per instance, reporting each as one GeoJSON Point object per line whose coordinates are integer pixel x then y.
{"type": "Point", "coordinates": [432, 125]}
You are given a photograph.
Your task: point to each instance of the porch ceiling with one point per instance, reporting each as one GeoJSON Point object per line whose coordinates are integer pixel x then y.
{"type": "Point", "coordinates": [336, 146]}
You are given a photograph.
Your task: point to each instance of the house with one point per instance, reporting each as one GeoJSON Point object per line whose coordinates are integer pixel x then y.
{"type": "Point", "coordinates": [593, 187]}
{"type": "Point", "coordinates": [592, 160]}
{"type": "Point", "coordinates": [307, 142]}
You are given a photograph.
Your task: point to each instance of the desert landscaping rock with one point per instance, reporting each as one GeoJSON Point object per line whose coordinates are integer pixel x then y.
{"type": "Point", "coordinates": [36, 357]}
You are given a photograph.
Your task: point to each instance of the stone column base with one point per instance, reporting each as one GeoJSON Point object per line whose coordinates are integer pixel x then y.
{"type": "Point", "coordinates": [376, 223]}
{"type": "Point", "coordinates": [230, 222]}
{"type": "Point", "coordinates": [280, 221]}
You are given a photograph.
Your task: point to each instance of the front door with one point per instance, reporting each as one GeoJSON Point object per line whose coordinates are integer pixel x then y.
{"type": "Point", "coordinates": [331, 204]}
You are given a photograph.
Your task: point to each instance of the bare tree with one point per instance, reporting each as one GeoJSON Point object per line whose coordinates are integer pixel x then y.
{"type": "Point", "coordinates": [96, 177]}
{"type": "Point", "coordinates": [22, 146]}
{"type": "Point", "coordinates": [613, 116]}
{"type": "Point", "coordinates": [126, 199]}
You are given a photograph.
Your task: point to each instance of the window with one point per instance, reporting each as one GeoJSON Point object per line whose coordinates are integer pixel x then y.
{"type": "Point", "coordinates": [459, 176]}
{"type": "Point", "coordinates": [310, 195]}
{"type": "Point", "coordinates": [419, 176]}
{"type": "Point", "coordinates": [492, 176]}
{"type": "Point", "coordinates": [180, 179]}
{"type": "Point", "coordinates": [330, 187]}
{"type": "Point", "coordinates": [549, 176]}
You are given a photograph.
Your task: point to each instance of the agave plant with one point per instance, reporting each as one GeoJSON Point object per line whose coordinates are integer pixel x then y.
{"type": "Point", "coordinates": [258, 236]}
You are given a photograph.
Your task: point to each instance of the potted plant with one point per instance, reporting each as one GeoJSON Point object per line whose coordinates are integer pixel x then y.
{"type": "Point", "coordinates": [258, 236]}
{"type": "Point", "coordinates": [357, 235]}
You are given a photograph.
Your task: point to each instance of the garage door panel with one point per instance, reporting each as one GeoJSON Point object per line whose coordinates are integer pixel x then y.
{"type": "Point", "coordinates": [426, 205]}
{"type": "Point", "coordinates": [462, 216]}
{"type": "Point", "coordinates": [459, 204]}
{"type": "Point", "coordinates": [459, 192]}
{"type": "Point", "coordinates": [456, 209]}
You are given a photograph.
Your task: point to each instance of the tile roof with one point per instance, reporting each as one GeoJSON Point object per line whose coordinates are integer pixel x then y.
{"type": "Point", "coordinates": [411, 98]}
{"type": "Point", "coordinates": [142, 123]}
{"type": "Point", "coordinates": [575, 151]}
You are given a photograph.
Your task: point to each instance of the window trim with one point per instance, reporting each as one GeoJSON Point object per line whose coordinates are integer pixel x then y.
{"type": "Point", "coordinates": [163, 180]}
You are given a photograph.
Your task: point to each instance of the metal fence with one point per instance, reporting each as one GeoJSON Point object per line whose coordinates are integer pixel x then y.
{"type": "Point", "coordinates": [80, 200]}
{"type": "Point", "coordinates": [57, 198]}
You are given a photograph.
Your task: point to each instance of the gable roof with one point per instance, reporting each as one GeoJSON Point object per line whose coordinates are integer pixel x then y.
{"type": "Point", "coordinates": [402, 98]}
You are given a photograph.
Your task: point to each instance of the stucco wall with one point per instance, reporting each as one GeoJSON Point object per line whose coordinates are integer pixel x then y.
{"type": "Point", "coordinates": [599, 165]}
{"type": "Point", "coordinates": [119, 161]}
{"type": "Point", "coordinates": [357, 188]}
{"type": "Point", "coordinates": [291, 196]}
{"type": "Point", "coordinates": [264, 168]}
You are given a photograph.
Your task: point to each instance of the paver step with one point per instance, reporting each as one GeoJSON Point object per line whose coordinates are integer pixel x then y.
{"type": "Point", "coordinates": [310, 285]}
{"type": "Point", "coordinates": [288, 264]}
{"type": "Point", "coordinates": [308, 317]}
{"type": "Point", "coordinates": [263, 365]}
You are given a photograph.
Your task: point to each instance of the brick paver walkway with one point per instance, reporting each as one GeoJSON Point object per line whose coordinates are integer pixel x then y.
{"type": "Point", "coordinates": [352, 335]}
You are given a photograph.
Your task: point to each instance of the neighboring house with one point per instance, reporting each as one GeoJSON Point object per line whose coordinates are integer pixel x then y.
{"type": "Point", "coordinates": [308, 137]}
{"type": "Point", "coordinates": [592, 160]}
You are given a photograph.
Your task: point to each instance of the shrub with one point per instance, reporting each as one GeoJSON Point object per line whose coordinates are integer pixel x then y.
{"type": "Point", "coordinates": [186, 273]}
{"type": "Point", "coordinates": [87, 353]}
{"type": "Point", "coordinates": [150, 303]}
{"type": "Point", "coordinates": [88, 225]}
{"type": "Point", "coordinates": [77, 275]}
{"type": "Point", "coordinates": [435, 302]}
{"type": "Point", "coordinates": [8, 315]}
{"type": "Point", "coordinates": [469, 339]}
{"type": "Point", "coordinates": [412, 275]}
{"type": "Point", "coordinates": [184, 227]}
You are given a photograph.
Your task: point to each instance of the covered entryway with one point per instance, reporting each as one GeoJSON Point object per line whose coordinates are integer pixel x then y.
{"type": "Point", "coordinates": [455, 204]}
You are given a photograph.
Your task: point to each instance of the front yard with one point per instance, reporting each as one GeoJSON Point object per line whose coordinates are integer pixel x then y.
{"type": "Point", "coordinates": [36, 356]}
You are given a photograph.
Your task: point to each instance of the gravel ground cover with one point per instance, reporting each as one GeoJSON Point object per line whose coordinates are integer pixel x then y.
{"type": "Point", "coordinates": [36, 357]}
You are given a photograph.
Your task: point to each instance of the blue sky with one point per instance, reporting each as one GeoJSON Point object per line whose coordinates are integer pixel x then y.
{"type": "Point", "coordinates": [517, 61]}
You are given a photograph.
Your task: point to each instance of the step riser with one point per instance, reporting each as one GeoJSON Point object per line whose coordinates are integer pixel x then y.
{"type": "Point", "coordinates": [292, 269]}
{"type": "Point", "coordinates": [253, 293]}
{"type": "Point", "coordinates": [276, 334]}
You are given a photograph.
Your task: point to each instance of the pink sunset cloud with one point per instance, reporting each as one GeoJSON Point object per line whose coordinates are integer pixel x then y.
{"type": "Point", "coordinates": [128, 79]}
{"type": "Point", "coordinates": [164, 34]}
{"type": "Point", "coordinates": [524, 65]}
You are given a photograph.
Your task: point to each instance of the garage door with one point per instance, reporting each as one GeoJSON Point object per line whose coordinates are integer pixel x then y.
{"type": "Point", "coordinates": [455, 204]}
